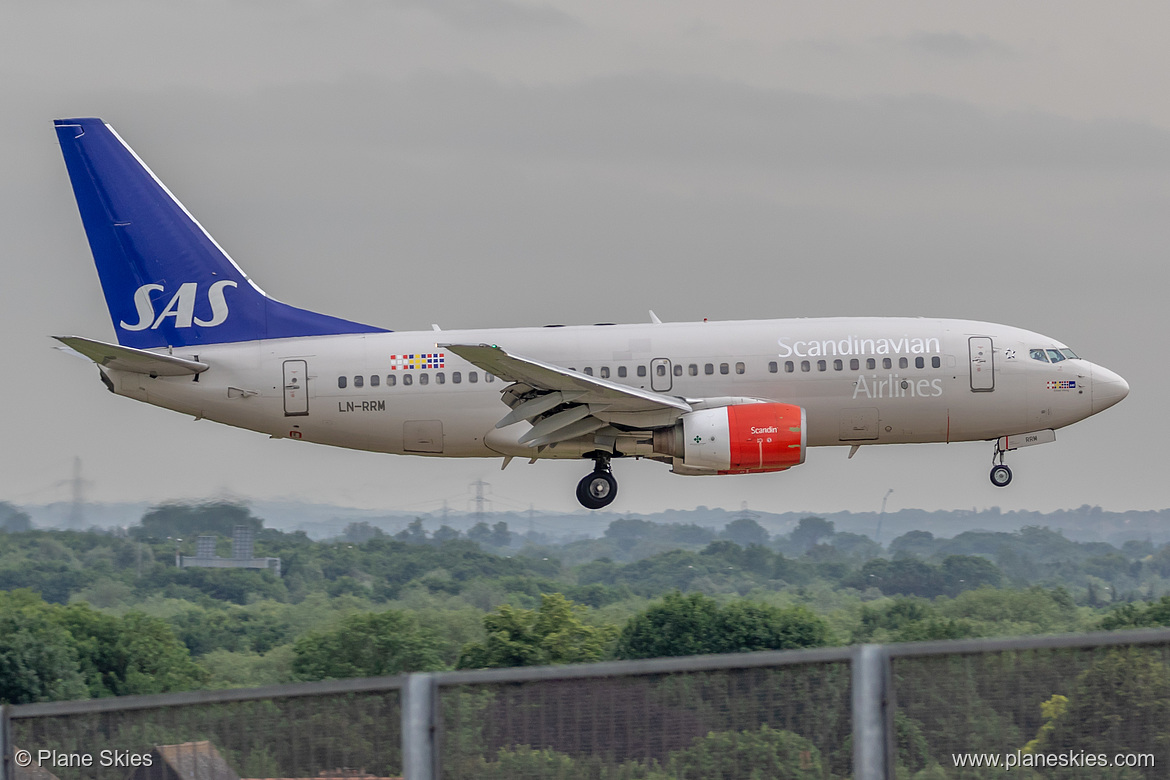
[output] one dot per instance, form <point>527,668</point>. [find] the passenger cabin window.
<point>920,362</point>
<point>678,369</point>
<point>838,365</point>
<point>588,370</point>
<point>822,365</point>
<point>375,380</point>
<point>660,370</point>
<point>805,366</point>
<point>424,378</point>
<point>408,379</point>
<point>870,363</point>
<point>773,367</point>
<point>708,368</point>
<point>440,378</point>
<point>358,381</point>
<point>341,382</point>
<point>854,365</point>
<point>693,369</point>
<point>605,372</point>
<point>936,362</point>
<point>489,378</point>
<point>789,366</point>
<point>456,377</point>
<point>641,370</point>
<point>472,377</point>
<point>391,380</point>
<point>887,363</point>
<point>622,372</point>
<point>724,368</point>
<point>740,368</point>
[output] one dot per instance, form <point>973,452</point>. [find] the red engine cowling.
<point>739,439</point>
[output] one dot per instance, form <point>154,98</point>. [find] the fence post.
<point>418,719</point>
<point>5,746</point>
<point>871,740</point>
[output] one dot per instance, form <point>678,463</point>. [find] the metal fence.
<point>1057,707</point>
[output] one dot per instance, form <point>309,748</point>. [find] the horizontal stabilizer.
<point>137,361</point>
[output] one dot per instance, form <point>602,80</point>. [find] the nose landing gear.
<point>599,489</point>
<point>1001,475</point>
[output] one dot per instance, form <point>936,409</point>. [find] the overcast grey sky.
<point>585,161</point>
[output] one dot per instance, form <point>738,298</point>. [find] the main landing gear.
<point>599,489</point>
<point>1001,475</point>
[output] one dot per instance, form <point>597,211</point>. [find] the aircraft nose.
<point>1108,388</point>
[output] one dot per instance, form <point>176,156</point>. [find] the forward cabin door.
<point>660,377</point>
<point>296,388</point>
<point>982,365</point>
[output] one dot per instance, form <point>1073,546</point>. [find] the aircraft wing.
<point>568,404</point>
<point>137,361</point>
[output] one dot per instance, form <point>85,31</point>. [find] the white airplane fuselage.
<point>197,335</point>
<point>858,379</point>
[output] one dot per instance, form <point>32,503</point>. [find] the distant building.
<point>32,772</point>
<point>187,761</point>
<point>335,774</point>
<point>243,539</point>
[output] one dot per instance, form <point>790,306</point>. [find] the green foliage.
<point>187,521</point>
<point>525,762</point>
<point>694,624</point>
<point>13,520</point>
<point>908,620</point>
<point>367,645</point>
<point>49,652</point>
<point>1122,700</point>
<point>908,576</point>
<point>1138,615</point>
<point>553,634</point>
<point>135,654</point>
<point>745,532</point>
<point>747,755</point>
<point>38,659</point>
<point>809,532</point>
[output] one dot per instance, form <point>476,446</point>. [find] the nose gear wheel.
<point>1001,475</point>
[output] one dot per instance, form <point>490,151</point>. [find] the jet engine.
<point>740,439</point>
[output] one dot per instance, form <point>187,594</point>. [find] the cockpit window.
<point>1055,356</point>
<point>1068,353</point>
<point>1038,354</point>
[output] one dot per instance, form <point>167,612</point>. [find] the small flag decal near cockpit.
<point>1063,384</point>
<point>423,360</point>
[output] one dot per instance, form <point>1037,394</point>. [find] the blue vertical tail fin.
<point>166,281</point>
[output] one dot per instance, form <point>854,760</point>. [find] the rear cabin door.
<point>982,365</point>
<point>296,388</point>
<point>660,378</point>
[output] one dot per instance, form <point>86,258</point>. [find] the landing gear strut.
<point>1001,475</point>
<point>599,489</point>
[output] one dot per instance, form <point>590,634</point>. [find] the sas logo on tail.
<point>181,307</point>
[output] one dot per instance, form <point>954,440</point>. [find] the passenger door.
<point>982,364</point>
<point>296,388</point>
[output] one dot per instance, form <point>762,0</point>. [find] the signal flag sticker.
<point>421,361</point>
<point>1063,384</point>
